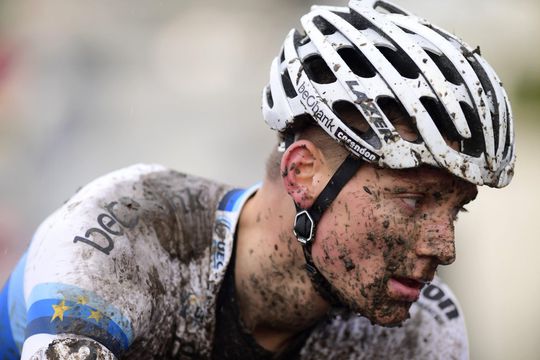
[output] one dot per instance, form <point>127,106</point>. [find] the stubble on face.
<point>278,289</point>
<point>363,270</point>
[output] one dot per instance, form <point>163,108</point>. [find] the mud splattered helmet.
<point>371,53</point>
<point>367,60</point>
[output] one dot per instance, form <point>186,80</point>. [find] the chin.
<point>379,310</point>
<point>391,315</point>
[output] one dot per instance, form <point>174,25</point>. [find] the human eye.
<point>410,203</point>
<point>406,199</point>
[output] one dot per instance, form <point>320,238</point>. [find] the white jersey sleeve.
<point>92,278</point>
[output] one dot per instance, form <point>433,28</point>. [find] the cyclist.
<point>386,126</point>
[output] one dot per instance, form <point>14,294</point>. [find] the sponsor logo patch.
<point>313,103</point>
<point>356,147</point>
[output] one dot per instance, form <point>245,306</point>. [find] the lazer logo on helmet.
<point>368,106</point>
<point>356,147</point>
<point>311,101</point>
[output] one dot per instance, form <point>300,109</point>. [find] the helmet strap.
<point>306,220</point>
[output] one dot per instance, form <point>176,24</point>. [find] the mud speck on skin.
<point>294,168</point>
<point>349,265</point>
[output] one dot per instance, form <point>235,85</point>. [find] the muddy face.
<point>385,235</point>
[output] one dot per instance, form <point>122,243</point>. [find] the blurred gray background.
<point>87,87</point>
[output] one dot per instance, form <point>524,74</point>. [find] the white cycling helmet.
<point>372,53</point>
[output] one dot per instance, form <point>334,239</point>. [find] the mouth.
<point>405,289</point>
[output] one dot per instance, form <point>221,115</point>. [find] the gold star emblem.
<point>59,310</point>
<point>82,300</point>
<point>96,315</point>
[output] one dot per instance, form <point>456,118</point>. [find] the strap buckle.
<point>304,227</point>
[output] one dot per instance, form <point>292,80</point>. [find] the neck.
<point>275,296</point>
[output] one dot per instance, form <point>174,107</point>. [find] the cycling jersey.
<point>132,265</point>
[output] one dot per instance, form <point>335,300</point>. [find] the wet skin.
<point>385,234</point>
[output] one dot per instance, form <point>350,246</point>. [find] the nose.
<point>437,240</point>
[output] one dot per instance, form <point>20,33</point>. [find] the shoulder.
<point>435,330</point>
<point>141,179</point>
<point>107,208</point>
<point>150,201</point>
<point>106,265</point>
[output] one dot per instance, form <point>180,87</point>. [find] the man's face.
<point>385,235</point>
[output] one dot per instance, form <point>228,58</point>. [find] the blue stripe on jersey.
<point>17,304</point>
<point>13,314</point>
<point>228,201</point>
<point>242,198</point>
<point>54,316</point>
<point>8,348</point>
<point>67,308</point>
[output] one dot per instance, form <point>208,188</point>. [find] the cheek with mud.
<point>361,258</point>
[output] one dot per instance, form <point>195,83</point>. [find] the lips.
<point>404,289</point>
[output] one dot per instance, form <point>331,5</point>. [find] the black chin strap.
<point>306,220</point>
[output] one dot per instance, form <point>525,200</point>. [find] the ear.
<point>304,171</point>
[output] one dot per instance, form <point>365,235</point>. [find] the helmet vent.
<point>324,26</point>
<point>407,30</point>
<point>355,121</point>
<point>288,86</point>
<point>401,62</point>
<point>318,71</point>
<point>269,97</point>
<point>475,145</point>
<point>446,67</point>
<point>440,118</point>
<point>398,116</point>
<point>357,62</point>
<point>495,130</point>
<point>385,8</point>
<point>507,143</point>
<point>486,86</point>
<point>282,56</point>
<point>356,20</point>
